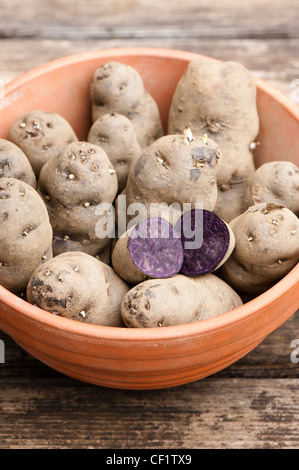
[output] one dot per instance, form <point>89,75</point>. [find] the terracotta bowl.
<point>144,358</point>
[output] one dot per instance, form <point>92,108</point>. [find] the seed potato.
<point>72,185</point>
<point>25,233</point>
<point>175,170</point>
<point>219,98</point>
<point>149,249</point>
<point>41,135</point>
<point>80,287</point>
<point>15,164</point>
<point>276,182</point>
<point>177,300</point>
<point>266,248</point>
<point>115,134</point>
<point>118,88</point>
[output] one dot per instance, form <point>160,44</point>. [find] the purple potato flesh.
<point>215,242</point>
<point>154,248</point>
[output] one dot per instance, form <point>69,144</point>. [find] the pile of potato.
<point>63,255</point>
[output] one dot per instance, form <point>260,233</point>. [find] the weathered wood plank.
<point>251,404</point>
<point>149,18</point>
<point>217,412</point>
<point>273,60</point>
<point>211,413</point>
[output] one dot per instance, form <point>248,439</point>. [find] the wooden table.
<point>255,402</point>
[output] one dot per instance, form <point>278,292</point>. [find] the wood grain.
<point>149,18</point>
<point>253,403</point>
<point>253,414</point>
<point>273,60</point>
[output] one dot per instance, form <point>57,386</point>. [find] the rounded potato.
<point>276,182</point>
<point>207,241</point>
<point>41,135</point>
<point>72,185</point>
<point>266,248</point>
<point>177,300</point>
<point>15,164</point>
<point>115,134</point>
<point>219,98</point>
<point>174,170</point>
<point>149,249</point>
<point>78,286</point>
<point>118,88</point>
<point>25,233</point>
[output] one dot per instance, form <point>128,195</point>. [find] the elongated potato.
<point>78,286</point>
<point>177,300</point>
<point>15,164</point>
<point>118,88</point>
<point>266,248</point>
<point>219,98</point>
<point>25,233</point>
<point>41,135</point>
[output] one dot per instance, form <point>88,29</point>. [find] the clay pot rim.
<point>226,320</point>
<point>16,83</point>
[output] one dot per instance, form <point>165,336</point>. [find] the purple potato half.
<point>155,249</point>
<point>215,236</point>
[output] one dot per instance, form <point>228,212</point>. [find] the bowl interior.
<point>153,357</point>
<point>63,86</point>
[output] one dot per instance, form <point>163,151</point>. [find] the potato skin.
<point>115,134</point>
<point>219,98</point>
<point>231,199</point>
<point>266,248</point>
<point>169,171</point>
<point>118,88</point>
<point>15,164</point>
<point>122,262</point>
<point>105,254</point>
<point>72,185</point>
<point>177,300</point>
<point>25,233</point>
<point>78,286</point>
<point>276,182</point>
<point>41,135</point>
